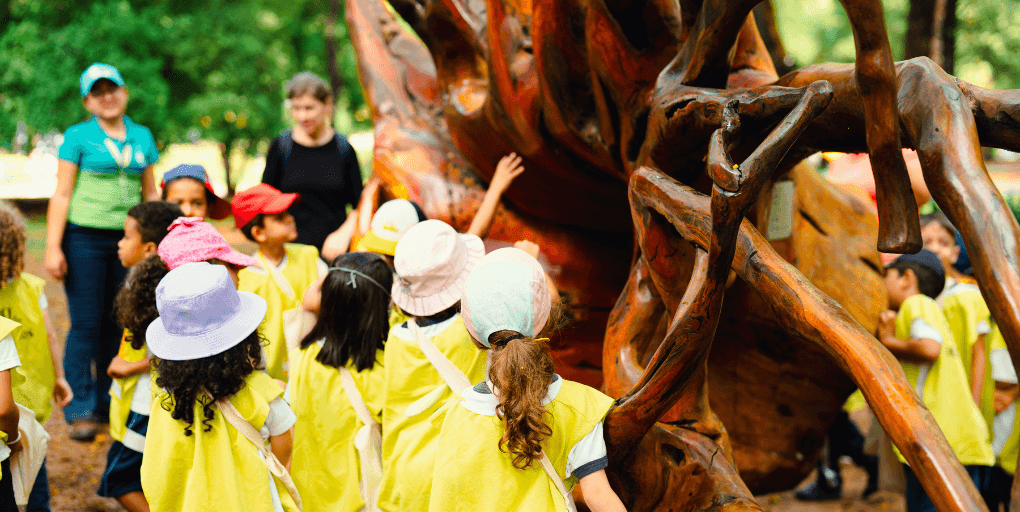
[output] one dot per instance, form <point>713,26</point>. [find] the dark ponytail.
<point>521,372</point>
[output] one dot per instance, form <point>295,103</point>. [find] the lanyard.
<point>120,157</point>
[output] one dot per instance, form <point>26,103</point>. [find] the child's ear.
<point>258,233</point>
<point>149,249</point>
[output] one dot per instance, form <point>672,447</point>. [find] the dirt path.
<point>75,468</point>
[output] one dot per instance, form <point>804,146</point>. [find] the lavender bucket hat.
<point>506,291</point>
<point>201,313</point>
<point>432,262</point>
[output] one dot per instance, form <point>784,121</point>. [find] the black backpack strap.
<point>286,145</point>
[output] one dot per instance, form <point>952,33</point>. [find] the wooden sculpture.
<point>649,130</point>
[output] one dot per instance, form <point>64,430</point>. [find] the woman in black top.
<point>315,161</point>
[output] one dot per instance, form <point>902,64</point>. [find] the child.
<point>214,404</point>
<point>1005,434</point>
<point>22,300</point>
<point>389,223</point>
<point>135,305</point>
<point>522,412</point>
<point>9,414</point>
<point>187,186</point>
<point>347,338</point>
<point>917,333</point>
<point>191,240</point>
<point>286,269</point>
<point>433,262</point>
<point>965,310</point>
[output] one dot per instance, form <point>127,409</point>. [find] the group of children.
<point>419,348</point>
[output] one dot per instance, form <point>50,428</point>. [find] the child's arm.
<point>598,495</point>
<point>9,414</point>
<point>281,446</point>
<point>121,368</point>
<point>62,393</point>
<point>921,350</point>
<point>312,298</point>
<point>509,167</point>
<point>339,241</point>
<point>977,368</point>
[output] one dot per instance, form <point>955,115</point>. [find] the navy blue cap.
<point>963,264</point>
<point>926,259</point>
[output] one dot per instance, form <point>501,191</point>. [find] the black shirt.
<point>327,180</point>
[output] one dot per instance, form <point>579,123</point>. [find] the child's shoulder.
<point>33,280</point>
<point>301,250</point>
<point>263,385</point>
<point>584,399</point>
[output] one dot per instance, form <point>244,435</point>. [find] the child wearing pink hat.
<point>432,263</point>
<point>191,240</point>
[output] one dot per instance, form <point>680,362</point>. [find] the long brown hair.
<point>12,242</point>
<point>521,372</point>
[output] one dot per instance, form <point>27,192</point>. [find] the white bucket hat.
<point>201,313</point>
<point>432,262</point>
<point>507,291</point>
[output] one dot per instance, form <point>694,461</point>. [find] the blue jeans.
<point>39,498</point>
<point>94,275</point>
<point>918,500</point>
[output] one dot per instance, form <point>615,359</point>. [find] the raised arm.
<point>508,168</point>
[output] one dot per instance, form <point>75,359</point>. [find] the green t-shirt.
<point>109,172</point>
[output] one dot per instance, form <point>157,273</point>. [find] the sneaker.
<point>83,431</point>
<point>818,492</point>
<point>872,469</point>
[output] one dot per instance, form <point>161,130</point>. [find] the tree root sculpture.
<point>730,343</point>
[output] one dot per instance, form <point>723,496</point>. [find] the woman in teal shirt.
<point>105,168</point>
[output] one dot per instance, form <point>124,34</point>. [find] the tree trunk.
<point>765,18</point>
<point>336,81</point>
<point>921,21</point>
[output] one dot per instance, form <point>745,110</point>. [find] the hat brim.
<point>374,243</point>
<point>237,258</point>
<point>280,203</point>
<point>448,296</point>
<point>172,347</point>
<point>220,209</point>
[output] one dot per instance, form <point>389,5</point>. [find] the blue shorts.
<point>123,465</point>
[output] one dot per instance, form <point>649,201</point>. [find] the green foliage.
<point>218,66</point>
<point>815,31</point>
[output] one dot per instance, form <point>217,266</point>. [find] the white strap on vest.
<point>248,430</point>
<point>454,378</point>
<point>547,466</point>
<point>281,281</point>
<point>368,442</point>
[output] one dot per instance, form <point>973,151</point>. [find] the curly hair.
<point>206,380</point>
<point>353,318</point>
<point>135,305</point>
<point>154,217</point>
<point>521,372</point>
<point>12,242</point>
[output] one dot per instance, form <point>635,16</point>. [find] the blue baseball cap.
<point>926,259</point>
<point>98,71</point>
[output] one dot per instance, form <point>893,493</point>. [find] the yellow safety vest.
<point>216,470</point>
<point>409,443</point>
<point>301,272</point>
<point>19,301</point>
<point>946,390</point>
<point>468,447</point>
<point>964,308</point>
<point>122,391</point>
<point>325,463</point>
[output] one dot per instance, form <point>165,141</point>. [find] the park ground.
<point>75,468</point>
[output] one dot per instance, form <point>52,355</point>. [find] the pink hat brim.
<point>448,296</point>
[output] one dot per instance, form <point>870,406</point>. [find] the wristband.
<point>15,440</point>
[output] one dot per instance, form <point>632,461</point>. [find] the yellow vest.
<point>122,391</point>
<point>301,272</point>
<point>397,317</point>
<point>1008,456</point>
<point>7,326</point>
<point>473,474</point>
<point>216,470</point>
<point>964,308</point>
<point>325,463</point>
<point>946,391</point>
<point>19,301</point>
<point>409,444</point>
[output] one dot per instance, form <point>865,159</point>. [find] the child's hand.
<point>887,324</point>
<point>529,247</point>
<point>62,393</point>
<point>118,369</point>
<point>508,168</point>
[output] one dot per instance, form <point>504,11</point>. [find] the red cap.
<point>261,198</point>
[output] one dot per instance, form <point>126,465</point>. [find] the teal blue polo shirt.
<point>109,180</point>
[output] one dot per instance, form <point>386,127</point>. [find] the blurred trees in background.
<point>213,70</point>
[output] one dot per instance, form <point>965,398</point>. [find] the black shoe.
<point>872,469</point>
<point>818,492</point>
<point>83,431</point>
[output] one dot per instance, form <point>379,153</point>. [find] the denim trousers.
<point>94,276</point>
<point>39,497</point>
